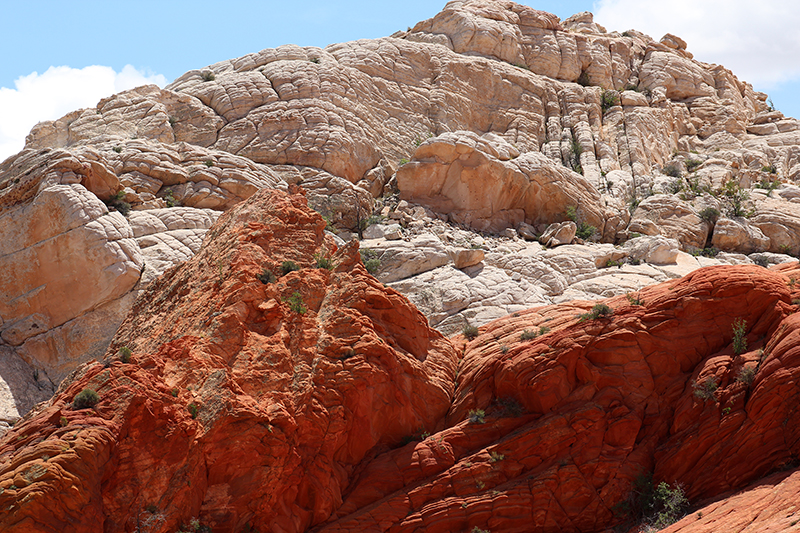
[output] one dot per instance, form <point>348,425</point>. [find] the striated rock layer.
<point>285,405</point>
<point>244,402</point>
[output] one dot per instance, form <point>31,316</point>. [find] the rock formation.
<point>499,163</point>
<point>250,395</point>
<point>490,115</point>
<point>240,388</point>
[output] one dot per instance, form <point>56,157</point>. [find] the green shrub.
<point>193,409</point>
<point>85,399</point>
<point>469,331</point>
<point>608,100</point>
<point>208,76</point>
<point>403,161</point>
<point>760,260</point>
<point>504,349</point>
<point>116,202</point>
<point>266,277</point>
<point>570,213</point>
<point>598,311</point>
<point>125,354</point>
<point>323,262</point>
<point>585,231</point>
<point>770,169</point>
<point>706,390</point>
<point>476,416</point>
<point>314,60</point>
<point>372,265</point>
<point>117,149</point>
<point>209,163</point>
<point>527,335</point>
<point>709,214</point>
<point>672,170</point>
<point>295,302</point>
<point>583,79</point>
<point>169,198</point>
<point>739,327</point>
<point>692,164</point>
<point>495,457</point>
<point>289,266</point>
<point>656,506</point>
<point>543,330</point>
<point>633,300</point>
<point>737,200</point>
<point>747,374</point>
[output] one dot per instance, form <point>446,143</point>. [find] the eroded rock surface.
<point>315,370</point>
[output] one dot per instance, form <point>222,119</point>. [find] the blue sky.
<point>160,40</point>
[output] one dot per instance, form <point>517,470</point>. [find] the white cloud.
<point>55,93</point>
<point>758,41</point>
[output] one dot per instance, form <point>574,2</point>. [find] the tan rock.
<point>466,258</point>
<point>559,233</point>
<point>462,175</point>
<point>669,216</point>
<point>738,235</point>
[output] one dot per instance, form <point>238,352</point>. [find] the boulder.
<point>559,233</point>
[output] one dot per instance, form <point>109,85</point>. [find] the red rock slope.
<point>575,415</point>
<point>240,410</point>
<point>235,407</point>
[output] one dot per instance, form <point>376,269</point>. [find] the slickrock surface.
<point>500,163</point>
<point>287,403</point>
<point>491,115</point>
<point>242,411</point>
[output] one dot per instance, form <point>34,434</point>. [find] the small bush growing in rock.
<point>193,409</point>
<point>608,100</point>
<point>598,311</point>
<point>323,262</point>
<point>495,457</point>
<point>527,334</point>
<point>85,399</point>
<point>289,266</point>
<point>706,390</point>
<point>371,259</point>
<point>125,354</point>
<point>208,76</point>
<point>266,277</point>
<point>709,214</point>
<point>295,302</point>
<point>585,231</point>
<point>746,375</point>
<point>692,164</point>
<point>658,506</point>
<point>543,330</point>
<point>672,170</point>
<point>469,331</point>
<point>476,416</point>
<point>760,260</point>
<point>739,327</point>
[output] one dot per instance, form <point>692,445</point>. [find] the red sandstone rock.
<point>243,412</point>
<point>235,408</point>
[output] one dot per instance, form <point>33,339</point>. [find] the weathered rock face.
<point>483,182</point>
<point>569,419</point>
<point>240,410</point>
<point>237,391</point>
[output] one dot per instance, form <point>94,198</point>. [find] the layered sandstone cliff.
<point>317,399</point>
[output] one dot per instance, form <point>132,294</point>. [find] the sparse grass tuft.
<point>739,335</point>
<point>747,374</point>
<point>125,354</point>
<point>598,311</point>
<point>289,266</point>
<point>470,332</point>
<point>476,416</point>
<point>706,390</point>
<point>85,399</point>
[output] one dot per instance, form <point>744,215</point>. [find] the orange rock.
<point>284,406</point>
<point>244,403</point>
